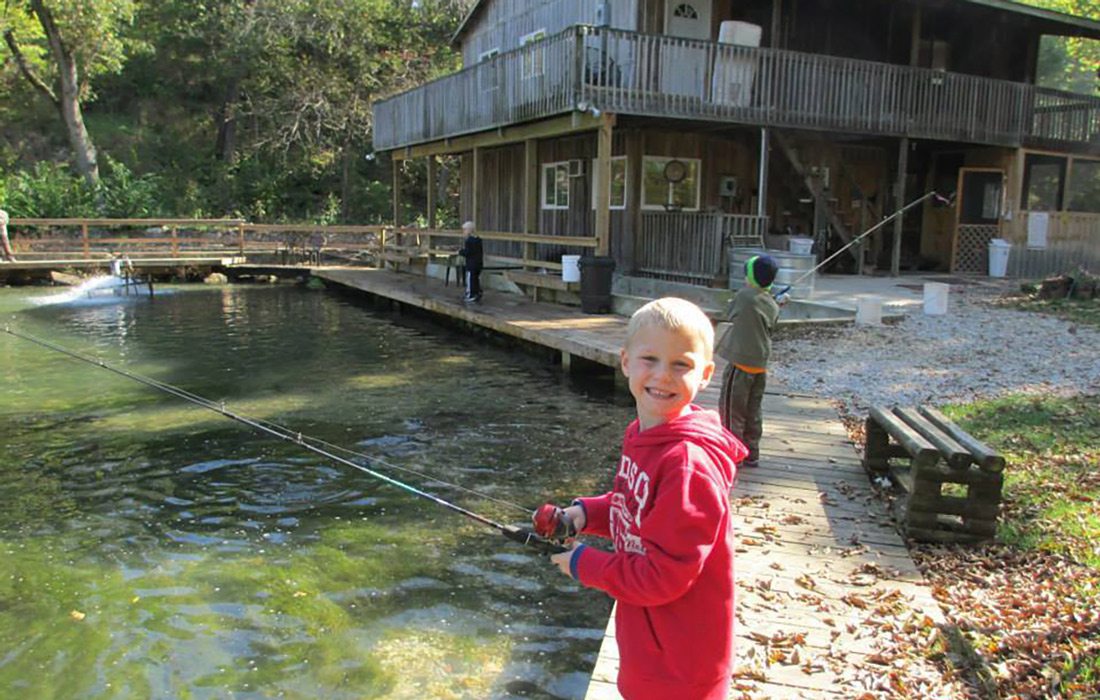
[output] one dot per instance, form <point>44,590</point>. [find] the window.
<point>555,185</point>
<point>488,76</point>
<point>658,192</point>
<point>1084,186</point>
<point>1044,182</point>
<point>618,182</point>
<point>534,59</point>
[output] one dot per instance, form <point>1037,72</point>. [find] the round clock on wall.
<point>675,171</point>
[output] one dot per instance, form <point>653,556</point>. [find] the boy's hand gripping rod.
<point>860,237</point>
<point>523,535</point>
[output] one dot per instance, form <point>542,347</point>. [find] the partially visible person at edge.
<point>5,244</point>
<point>747,346</point>
<point>668,515</point>
<point>475,259</point>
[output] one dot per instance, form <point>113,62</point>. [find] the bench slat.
<point>986,458</point>
<point>921,451</point>
<point>956,456</point>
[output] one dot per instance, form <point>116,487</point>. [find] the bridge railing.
<point>61,240</point>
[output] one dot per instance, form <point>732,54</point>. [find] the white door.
<point>683,68</point>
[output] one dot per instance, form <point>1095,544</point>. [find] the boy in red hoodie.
<point>668,515</point>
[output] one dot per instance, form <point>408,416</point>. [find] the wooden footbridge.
<point>826,587</point>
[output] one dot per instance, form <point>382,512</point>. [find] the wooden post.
<point>240,237</point>
<point>475,187</point>
<point>432,177</point>
<point>914,38</point>
<point>777,18</point>
<point>396,187</point>
<point>762,175</point>
<point>899,201</point>
<point>84,240</point>
<point>530,186</point>
<point>603,184</point>
<point>175,242</point>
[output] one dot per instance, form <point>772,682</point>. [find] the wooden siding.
<point>621,72</point>
<point>502,23</point>
<point>691,247</point>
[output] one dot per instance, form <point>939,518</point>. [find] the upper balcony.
<point>661,76</point>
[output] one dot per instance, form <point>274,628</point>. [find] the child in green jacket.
<point>746,347</point>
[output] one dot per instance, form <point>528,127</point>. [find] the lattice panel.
<point>972,247</point>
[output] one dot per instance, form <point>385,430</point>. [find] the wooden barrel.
<point>792,266</point>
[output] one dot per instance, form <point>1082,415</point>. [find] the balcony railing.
<point>654,75</point>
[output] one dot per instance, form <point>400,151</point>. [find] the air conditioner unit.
<point>576,167</point>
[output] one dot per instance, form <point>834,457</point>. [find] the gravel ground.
<point>977,351</point>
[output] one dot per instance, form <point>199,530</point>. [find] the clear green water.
<point>151,548</point>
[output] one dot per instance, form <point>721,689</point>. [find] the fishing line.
<point>522,535</point>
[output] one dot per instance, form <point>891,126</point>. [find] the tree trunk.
<point>226,147</point>
<point>68,97</point>
<point>5,244</point>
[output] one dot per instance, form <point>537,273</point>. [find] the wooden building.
<point>671,130</point>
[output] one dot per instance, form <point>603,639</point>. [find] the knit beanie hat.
<point>761,270</point>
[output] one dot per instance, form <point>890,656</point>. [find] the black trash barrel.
<point>596,283</point>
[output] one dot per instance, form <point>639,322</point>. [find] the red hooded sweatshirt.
<point>668,515</point>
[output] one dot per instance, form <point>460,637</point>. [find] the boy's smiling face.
<point>666,369</point>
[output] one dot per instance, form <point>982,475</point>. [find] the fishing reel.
<point>552,523</point>
<point>782,295</point>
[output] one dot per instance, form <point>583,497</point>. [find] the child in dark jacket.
<point>475,260</point>
<point>746,347</point>
<point>668,515</point>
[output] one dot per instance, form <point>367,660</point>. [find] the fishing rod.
<point>860,237</point>
<point>523,535</point>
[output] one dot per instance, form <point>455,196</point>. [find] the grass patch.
<point>1052,486</point>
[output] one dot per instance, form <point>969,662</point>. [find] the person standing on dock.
<point>746,347</point>
<point>474,255</point>
<point>5,244</point>
<point>668,515</point>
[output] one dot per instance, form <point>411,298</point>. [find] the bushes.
<point>53,191</point>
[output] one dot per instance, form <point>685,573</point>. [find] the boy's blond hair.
<point>674,314</point>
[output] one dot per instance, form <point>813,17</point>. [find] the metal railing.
<point>655,75</point>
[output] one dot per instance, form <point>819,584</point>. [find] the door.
<point>684,67</point>
<point>978,206</point>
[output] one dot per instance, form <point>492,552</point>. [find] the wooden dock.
<point>825,585</point>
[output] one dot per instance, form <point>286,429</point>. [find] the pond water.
<point>152,548</point>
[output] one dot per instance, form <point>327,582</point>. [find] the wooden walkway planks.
<point>819,561</point>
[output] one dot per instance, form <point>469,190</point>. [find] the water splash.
<point>109,288</point>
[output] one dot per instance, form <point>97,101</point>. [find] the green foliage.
<point>1069,63</point>
<point>52,190</point>
<point>49,190</point>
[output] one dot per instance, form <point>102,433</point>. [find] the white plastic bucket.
<point>801,246</point>
<point>998,257</point>
<point>570,268</point>
<point>935,298</point>
<point>869,312</point>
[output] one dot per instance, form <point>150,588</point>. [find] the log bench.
<point>951,481</point>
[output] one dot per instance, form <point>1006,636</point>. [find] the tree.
<point>1070,63</point>
<point>78,41</point>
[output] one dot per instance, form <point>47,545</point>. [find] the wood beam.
<point>396,190</point>
<point>475,186</point>
<point>899,201</point>
<point>603,184</point>
<point>777,19</point>
<point>547,128</point>
<point>914,39</point>
<point>530,186</point>
<point>433,175</point>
